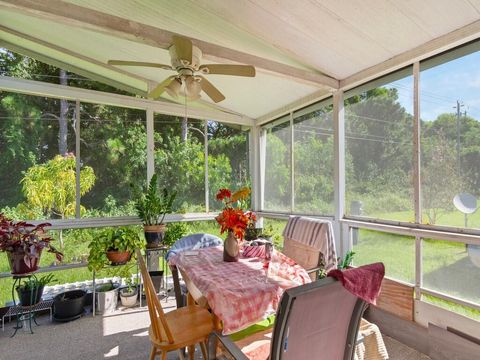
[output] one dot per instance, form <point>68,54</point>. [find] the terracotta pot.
<point>154,235</point>
<point>231,248</point>
<point>119,257</point>
<point>18,265</point>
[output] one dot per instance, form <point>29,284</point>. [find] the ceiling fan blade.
<point>139,63</point>
<point>155,93</point>
<point>212,92</point>
<point>183,48</point>
<point>225,69</point>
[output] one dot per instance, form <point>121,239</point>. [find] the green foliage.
<point>277,173</point>
<point>174,232</point>
<point>440,183</point>
<point>124,238</point>
<point>50,187</point>
<point>268,231</point>
<point>347,261</point>
<point>153,205</point>
<point>126,273</point>
<point>31,283</point>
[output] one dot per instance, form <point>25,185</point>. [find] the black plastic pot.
<point>30,297</point>
<point>69,304</point>
<point>157,279</point>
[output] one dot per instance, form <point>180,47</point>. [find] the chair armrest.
<point>227,343</point>
<point>315,269</point>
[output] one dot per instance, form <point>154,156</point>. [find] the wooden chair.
<point>309,242</point>
<point>177,329</point>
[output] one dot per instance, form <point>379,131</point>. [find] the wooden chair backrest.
<point>160,327</point>
<point>306,256</point>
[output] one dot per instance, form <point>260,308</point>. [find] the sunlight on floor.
<point>112,352</point>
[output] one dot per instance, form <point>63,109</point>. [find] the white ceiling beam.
<point>68,67</point>
<point>436,46</point>
<point>38,88</point>
<point>298,104</point>
<point>68,52</point>
<point>74,15</point>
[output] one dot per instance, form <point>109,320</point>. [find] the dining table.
<point>240,293</point>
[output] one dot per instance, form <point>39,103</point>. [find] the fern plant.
<point>153,205</point>
<point>342,265</point>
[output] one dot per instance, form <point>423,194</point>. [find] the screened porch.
<point>365,114</point>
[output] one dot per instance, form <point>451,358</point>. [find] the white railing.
<point>92,223</point>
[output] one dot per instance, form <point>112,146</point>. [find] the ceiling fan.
<point>186,61</point>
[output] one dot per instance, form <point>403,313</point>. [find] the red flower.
<point>232,218</point>
<point>223,194</point>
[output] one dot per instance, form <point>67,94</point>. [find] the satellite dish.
<point>465,203</point>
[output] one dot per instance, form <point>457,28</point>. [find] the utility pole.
<point>459,113</point>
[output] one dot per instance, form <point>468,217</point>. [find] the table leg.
<point>190,300</point>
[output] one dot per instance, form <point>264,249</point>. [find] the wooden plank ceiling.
<point>299,48</point>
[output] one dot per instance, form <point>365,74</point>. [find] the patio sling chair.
<point>310,243</point>
<point>189,242</point>
<point>176,329</point>
<point>318,320</point>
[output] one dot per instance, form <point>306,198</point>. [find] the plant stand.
<point>157,253</point>
<point>24,314</point>
<point>41,306</point>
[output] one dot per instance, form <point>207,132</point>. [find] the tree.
<point>50,188</point>
<point>277,171</point>
<point>440,182</point>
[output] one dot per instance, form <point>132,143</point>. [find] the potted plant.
<point>152,206</point>
<point>233,219</point>
<point>106,298</point>
<point>23,243</point>
<point>267,233</point>
<point>128,293</point>
<point>30,290</point>
<point>69,305</point>
<point>114,246</point>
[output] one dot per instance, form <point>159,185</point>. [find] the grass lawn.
<point>447,267</point>
<point>453,218</point>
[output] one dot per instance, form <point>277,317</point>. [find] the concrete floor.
<point>122,335</point>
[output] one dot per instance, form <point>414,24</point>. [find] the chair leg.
<point>203,346</point>
<point>180,354</point>
<point>164,355</point>
<point>191,352</point>
<point>153,352</point>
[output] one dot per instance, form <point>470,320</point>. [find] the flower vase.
<point>231,248</point>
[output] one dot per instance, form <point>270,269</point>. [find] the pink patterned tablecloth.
<point>239,293</point>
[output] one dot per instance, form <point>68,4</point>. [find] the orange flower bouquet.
<point>233,219</point>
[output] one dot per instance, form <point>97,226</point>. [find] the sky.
<point>441,87</point>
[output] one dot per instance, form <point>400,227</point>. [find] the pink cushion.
<point>256,346</point>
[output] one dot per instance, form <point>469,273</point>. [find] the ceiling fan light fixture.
<point>192,88</point>
<point>173,89</point>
